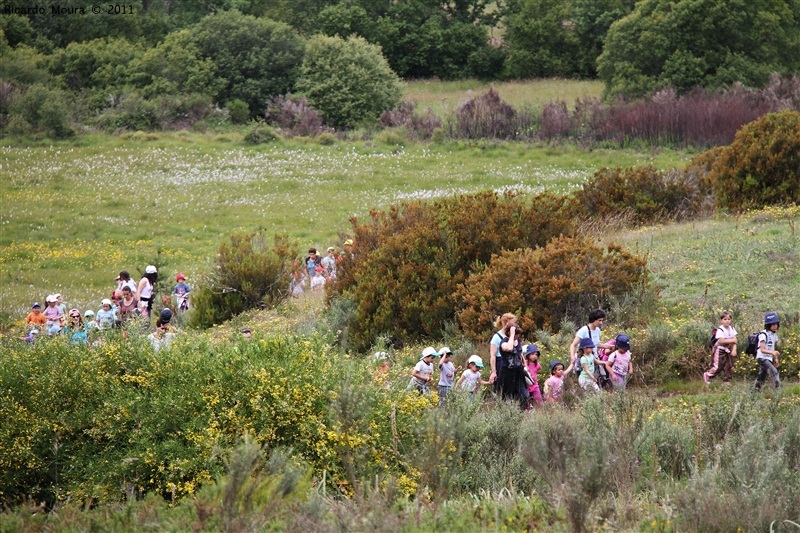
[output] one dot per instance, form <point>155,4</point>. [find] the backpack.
<point>713,340</point>
<point>752,342</point>
<point>513,358</point>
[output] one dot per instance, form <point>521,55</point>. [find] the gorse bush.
<point>641,195</point>
<point>544,285</point>
<point>259,132</point>
<point>248,274</point>
<point>420,252</point>
<point>762,165</point>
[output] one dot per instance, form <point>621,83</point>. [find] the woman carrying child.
<point>531,353</point>
<point>723,350</point>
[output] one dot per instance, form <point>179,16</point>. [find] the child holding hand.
<point>554,386</point>
<point>471,379</point>
<point>531,354</point>
<point>619,363</point>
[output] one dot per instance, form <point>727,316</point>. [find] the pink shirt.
<point>620,362</point>
<point>51,313</point>
<point>553,388</point>
<point>533,370</point>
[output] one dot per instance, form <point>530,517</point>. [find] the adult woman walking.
<point>146,285</point>
<point>505,357</point>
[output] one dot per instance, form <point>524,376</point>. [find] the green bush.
<point>96,64</point>
<point>260,132</point>
<point>248,274</point>
<point>349,82</point>
<point>44,109</point>
<point>238,111</point>
<point>421,252</point>
<point>762,165</point>
<point>712,43</point>
<point>257,58</point>
<point>641,195</point>
<point>544,285</point>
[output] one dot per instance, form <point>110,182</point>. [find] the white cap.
<point>50,298</point>
<point>380,356</point>
<point>150,269</point>
<point>429,351</point>
<point>89,312</point>
<point>445,350</point>
<point>105,301</point>
<point>475,359</point>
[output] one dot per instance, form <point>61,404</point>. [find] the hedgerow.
<point>421,252</point>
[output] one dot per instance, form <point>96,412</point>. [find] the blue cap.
<point>36,304</point>
<point>623,341</point>
<point>586,343</point>
<point>554,364</point>
<point>531,348</point>
<point>771,318</point>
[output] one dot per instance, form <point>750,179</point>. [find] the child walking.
<point>587,379</point>
<point>36,317</point>
<point>422,374</point>
<point>106,317</point>
<point>471,379</point>
<point>767,355</point>
<point>723,350</point>
<point>447,374</point>
<point>554,386</point>
<point>531,354</point>
<point>181,291</point>
<point>619,363</point>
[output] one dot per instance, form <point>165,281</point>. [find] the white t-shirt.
<point>470,382</point>
<point>723,333</point>
<point>770,339</point>
<point>447,374</point>
<point>424,369</point>
<point>317,282</point>
<point>594,334</point>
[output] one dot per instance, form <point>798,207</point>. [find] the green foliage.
<point>349,82</point>
<point>44,109</point>
<point>544,285</point>
<point>762,165</point>
<point>175,66</point>
<point>709,43</point>
<point>24,66</point>
<point>96,64</point>
<point>238,111</point>
<point>247,274</point>
<point>257,58</point>
<point>421,252</point>
<point>132,111</point>
<point>260,132</point>
<point>641,195</point>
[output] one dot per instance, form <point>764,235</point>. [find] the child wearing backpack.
<point>619,363</point>
<point>531,354</point>
<point>587,379</point>
<point>766,354</point>
<point>723,350</point>
<point>590,331</point>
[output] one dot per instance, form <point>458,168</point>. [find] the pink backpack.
<point>603,354</point>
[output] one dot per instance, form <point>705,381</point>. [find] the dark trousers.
<point>766,368</point>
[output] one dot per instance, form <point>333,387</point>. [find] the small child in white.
<point>422,374</point>
<point>447,374</point>
<point>619,363</point>
<point>106,317</point>
<point>470,379</point>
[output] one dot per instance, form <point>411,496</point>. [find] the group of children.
<point>471,378</point>
<point>318,270</point>
<point>127,301</point>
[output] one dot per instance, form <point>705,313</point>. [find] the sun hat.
<point>586,343</point>
<point>444,350</point>
<point>105,301</point>
<point>50,298</point>
<point>348,242</point>
<point>380,356</point>
<point>554,364</point>
<point>165,316</point>
<point>74,311</point>
<point>429,351</point>
<point>89,313</point>
<point>475,359</point>
<point>36,304</point>
<point>150,269</point>
<point>331,248</point>
<point>180,276</point>
<point>531,348</point>
<point>246,330</point>
<point>318,268</point>
<point>771,318</point>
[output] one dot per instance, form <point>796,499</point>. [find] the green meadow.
<point>74,213</point>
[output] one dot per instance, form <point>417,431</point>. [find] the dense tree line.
<point>172,61</point>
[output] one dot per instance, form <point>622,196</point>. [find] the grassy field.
<point>75,213</point>
<point>445,96</point>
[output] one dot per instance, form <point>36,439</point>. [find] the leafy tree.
<point>700,42</point>
<point>99,63</point>
<point>175,66</point>
<point>44,109</point>
<point>24,66</point>
<point>345,19</point>
<point>348,81</point>
<point>258,58</point>
<point>17,29</point>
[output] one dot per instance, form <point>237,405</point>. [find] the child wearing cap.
<point>422,374</point>
<point>89,321</point>
<point>52,313</point>
<point>587,379</point>
<point>447,374</point>
<point>554,386</point>
<point>531,354</point>
<point>470,379</point>
<point>329,261</point>
<point>318,281</point>
<point>106,317</point>
<point>766,354</point>
<point>36,317</point>
<point>182,290</point>
<point>619,363</point>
